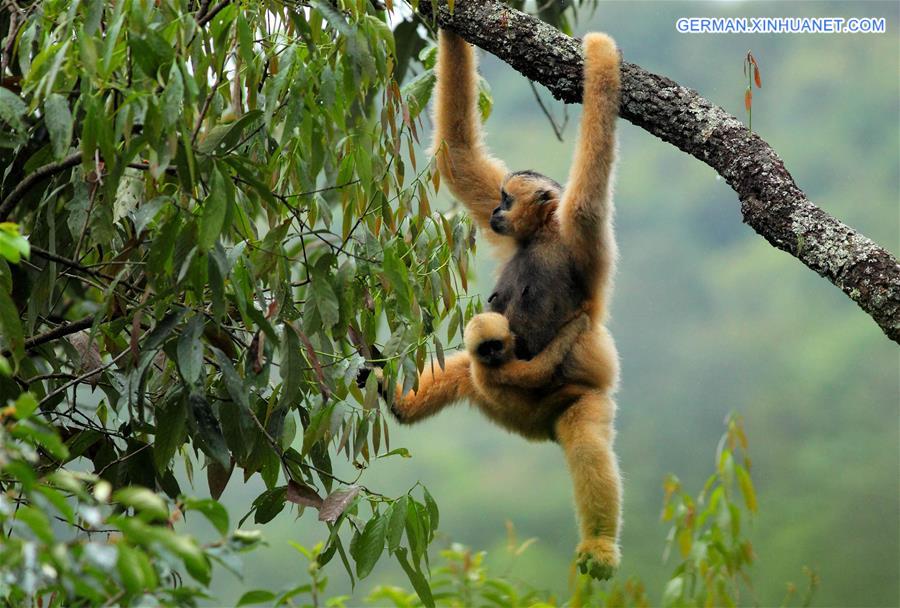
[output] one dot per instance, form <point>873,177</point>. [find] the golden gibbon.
<point>541,363</point>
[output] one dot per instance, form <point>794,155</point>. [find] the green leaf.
<point>326,301</point>
<point>257,596</point>
<point>485,98</point>
<point>673,590</point>
<point>238,427</point>
<point>143,215</point>
<point>37,521</point>
<point>433,513</point>
<point>416,578</point>
<point>129,567</point>
<point>212,217</point>
<point>151,52</point>
<point>172,98</point>
<point>170,421</point>
<point>59,501</point>
<point>11,326</point>
<point>397,523</point>
<point>291,367</point>
<point>212,510</point>
<point>12,109</point>
<point>25,406</point>
<point>143,501</point>
<point>194,560</point>
<point>58,119</point>
<point>43,437</point>
<point>418,91</point>
<point>370,545</point>
<point>747,488</point>
<point>208,432</point>
<point>222,138</point>
<point>190,350</point>
<point>269,504</point>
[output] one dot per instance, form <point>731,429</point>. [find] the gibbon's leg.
<point>586,207</point>
<point>438,388</point>
<point>585,432</point>
<point>474,177</point>
<point>539,371</point>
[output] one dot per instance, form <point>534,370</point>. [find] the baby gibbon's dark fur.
<point>541,363</point>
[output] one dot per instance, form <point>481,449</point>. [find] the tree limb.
<point>59,332</point>
<point>771,203</point>
<point>9,203</point>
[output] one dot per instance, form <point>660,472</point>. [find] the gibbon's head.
<point>528,201</point>
<point>488,338</point>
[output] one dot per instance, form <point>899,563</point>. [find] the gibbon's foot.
<point>488,338</point>
<point>363,375</point>
<point>598,558</point>
<point>490,352</point>
<point>398,415</point>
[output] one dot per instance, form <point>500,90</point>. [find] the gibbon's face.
<point>527,202</point>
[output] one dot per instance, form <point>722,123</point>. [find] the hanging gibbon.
<point>541,363</point>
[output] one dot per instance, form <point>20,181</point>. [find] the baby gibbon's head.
<point>488,338</point>
<point>528,202</point>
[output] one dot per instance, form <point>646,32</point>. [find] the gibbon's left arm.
<point>438,388</point>
<point>585,211</point>
<point>539,371</point>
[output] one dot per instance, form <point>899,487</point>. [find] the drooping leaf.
<point>336,503</point>
<point>207,432</point>
<point>215,208</point>
<point>370,545</point>
<point>212,510</point>
<point>190,350</point>
<point>419,583</point>
<point>303,495</point>
<point>58,119</point>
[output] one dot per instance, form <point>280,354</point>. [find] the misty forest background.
<point>708,318</point>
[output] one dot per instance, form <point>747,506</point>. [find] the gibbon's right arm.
<point>474,177</point>
<point>585,211</point>
<point>539,371</point>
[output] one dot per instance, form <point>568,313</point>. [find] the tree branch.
<point>771,203</point>
<point>59,332</point>
<point>9,203</point>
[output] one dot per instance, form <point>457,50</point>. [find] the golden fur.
<point>564,392</point>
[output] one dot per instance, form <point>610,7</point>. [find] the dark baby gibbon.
<point>541,363</point>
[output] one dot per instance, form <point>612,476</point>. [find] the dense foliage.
<point>223,214</point>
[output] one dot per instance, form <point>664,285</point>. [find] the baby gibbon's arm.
<point>586,207</point>
<point>539,371</point>
<point>474,177</point>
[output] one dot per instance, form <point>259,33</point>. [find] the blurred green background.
<point>708,318</point>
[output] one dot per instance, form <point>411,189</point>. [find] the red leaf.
<point>304,495</point>
<point>337,503</point>
<point>748,99</point>
<point>217,478</point>
<point>756,77</point>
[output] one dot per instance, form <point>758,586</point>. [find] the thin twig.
<point>210,15</point>
<point>124,458</point>
<point>557,130</point>
<point>59,332</point>
<point>84,376</point>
